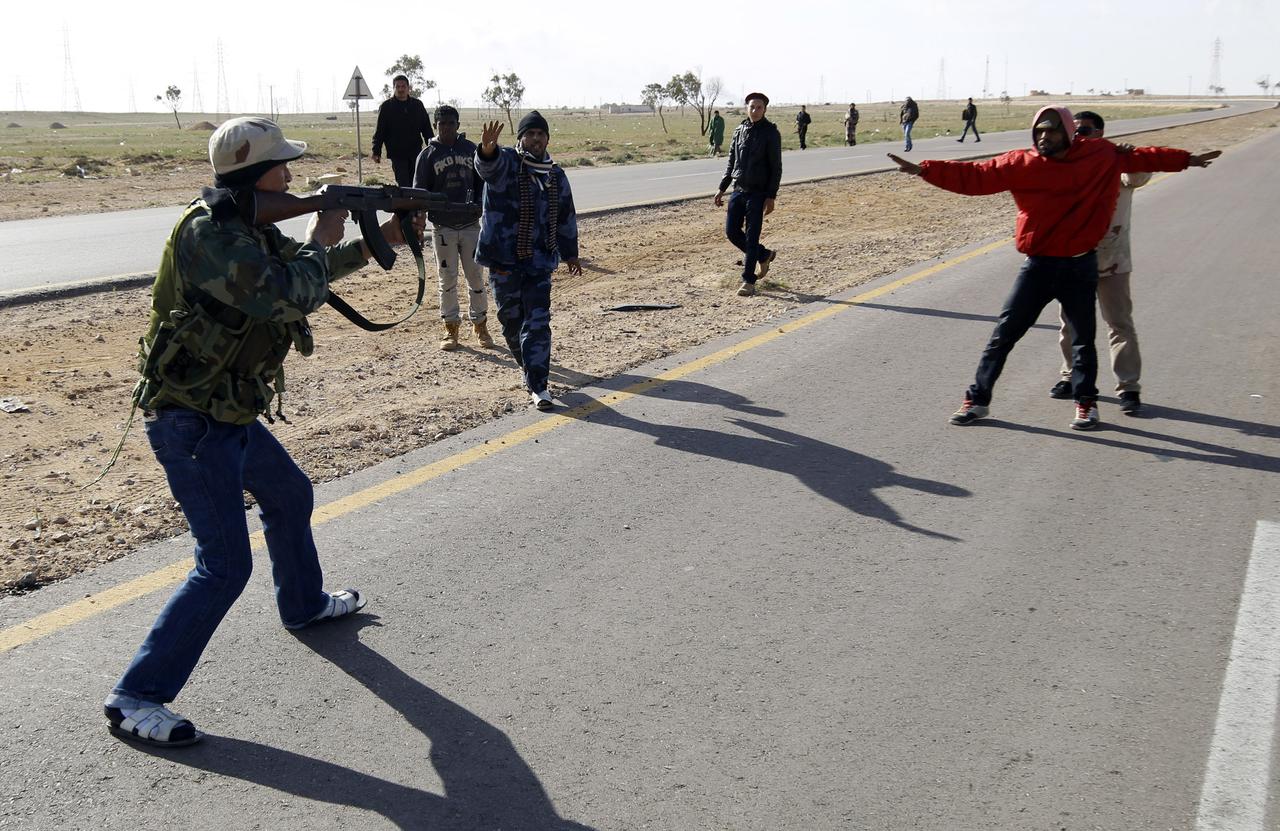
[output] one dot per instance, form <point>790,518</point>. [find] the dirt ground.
<point>365,397</point>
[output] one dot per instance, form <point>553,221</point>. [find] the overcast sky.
<point>584,52</point>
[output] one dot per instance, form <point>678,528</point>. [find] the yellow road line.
<point>104,601</point>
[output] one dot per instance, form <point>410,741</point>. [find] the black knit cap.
<point>533,120</point>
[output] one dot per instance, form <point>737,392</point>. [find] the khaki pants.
<point>1117,312</point>
<point>453,246</point>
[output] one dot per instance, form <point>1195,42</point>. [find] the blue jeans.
<point>209,465</point>
<point>523,298</point>
<point>1073,282</point>
<point>906,132</point>
<point>742,224</point>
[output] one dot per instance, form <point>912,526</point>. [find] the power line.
<point>1215,68</point>
<point>197,100</point>
<point>986,79</point>
<point>942,79</point>
<point>19,103</point>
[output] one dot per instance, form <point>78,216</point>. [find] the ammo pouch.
<point>214,358</point>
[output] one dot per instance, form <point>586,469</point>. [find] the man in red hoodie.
<point>1065,191</point>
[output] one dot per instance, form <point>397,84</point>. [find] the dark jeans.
<point>746,209</point>
<point>523,298</point>
<point>210,464</point>
<point>802,131</point>
<point>1073,282</point>
<point>404,168</point>
<point>970,125</point>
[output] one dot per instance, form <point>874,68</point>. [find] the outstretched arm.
<point>905,166</point>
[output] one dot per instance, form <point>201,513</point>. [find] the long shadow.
<point>845,478</point>
<point>921,310</point>
<point>1248,428</point>
<point>487,785</point>
<point>690,392</point>
<point>1197,451</point>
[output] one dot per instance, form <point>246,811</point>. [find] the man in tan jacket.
<point>1114,301</point>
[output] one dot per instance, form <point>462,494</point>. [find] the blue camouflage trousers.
<point>523,298</point>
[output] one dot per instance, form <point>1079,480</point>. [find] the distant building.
<point>615,109</point>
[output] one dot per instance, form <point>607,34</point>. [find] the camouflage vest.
<point>205,355</point>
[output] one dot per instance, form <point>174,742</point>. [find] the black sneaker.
<point>969,412</point>
<point>1061,390</point>
<point>1130,402</point>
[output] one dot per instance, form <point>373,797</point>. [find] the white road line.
<point>681,176</point>
<point>1234,796</point>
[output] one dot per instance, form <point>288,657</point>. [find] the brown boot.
<point>450,341</point>
<point>482,333</point>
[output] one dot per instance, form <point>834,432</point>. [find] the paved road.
<point>45,252</point>
<point>761,585</point>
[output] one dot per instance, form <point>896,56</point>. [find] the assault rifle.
<point>363,204</point>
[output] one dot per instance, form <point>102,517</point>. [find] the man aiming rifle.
<point>231,298</point>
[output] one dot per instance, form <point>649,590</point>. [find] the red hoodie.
<point>1064,204</point>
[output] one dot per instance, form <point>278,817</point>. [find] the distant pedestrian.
<point>803,120</point>
<point>403,126</point>
<point>970,116</point>
<point>529,226</point>
<point>448,165</point>
<point>1065,191</point>
<point>907,118</point>
<point>755,171</point>
<point>1114,300</point>
<point>851,125</point>
<point>715,135</point>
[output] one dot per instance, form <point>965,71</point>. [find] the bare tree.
<point>410,66</point>
<point>506,94</point>
<point>656,96</point>
<point>712,89</point>
<point>172,98</point>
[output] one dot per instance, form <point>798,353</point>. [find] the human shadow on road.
<point>689,391</point>
<point>487,784</point>
<point>846,478</point>
<point>1248,428</point>
<point>1195,450</point>
<point>921,310</point>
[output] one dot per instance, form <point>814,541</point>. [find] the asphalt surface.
<point>767,586</point>
<point>41,253</point>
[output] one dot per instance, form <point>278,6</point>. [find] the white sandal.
<point>152,724</point>
<point>341,603</point>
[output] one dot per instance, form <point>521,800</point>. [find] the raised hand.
<point>489,137</point>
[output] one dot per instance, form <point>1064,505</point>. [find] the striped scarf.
<point>534,171</point>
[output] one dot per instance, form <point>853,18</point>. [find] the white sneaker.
<point>542,400</point>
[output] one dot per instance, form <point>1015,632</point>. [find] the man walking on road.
<point>755,170</point>
<point>803,120</point>
<point>402,126</point>
<point>529,225</point>
<point>230,299</point>
<point>1065,191</point>
<point>970,116</point>
<point>1114,301</point>
<point>448,165</point>
<point>907,118</point>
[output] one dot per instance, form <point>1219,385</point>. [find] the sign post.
<point>357,89</point>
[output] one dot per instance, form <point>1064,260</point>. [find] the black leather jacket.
<point>755,159</point>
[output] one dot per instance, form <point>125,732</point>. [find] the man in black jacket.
<point>970,116</point>
<point>755,171</point>
<point>803,120</point>
<point>403,126</point>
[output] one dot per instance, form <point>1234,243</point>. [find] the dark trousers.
<point>523,297</point>
<point>1073,282</point>
<point>404,167</point>
<point>970,125</point>
<point>742,225</point>
<point>803,131</point>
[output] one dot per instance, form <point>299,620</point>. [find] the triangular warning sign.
<point>356,87</point>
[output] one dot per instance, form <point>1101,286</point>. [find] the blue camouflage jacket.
<point>497,245</point>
